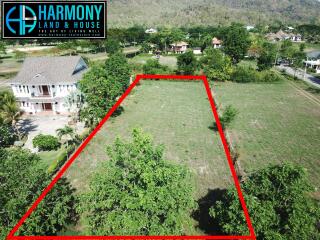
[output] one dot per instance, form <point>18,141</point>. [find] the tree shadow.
<point>205,223</point>
<point>118,111</point>
<point>313,90</point>
<point>26,126</point>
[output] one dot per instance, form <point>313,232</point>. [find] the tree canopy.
<point>236,42</point>
<point>279,203</point>
<point>187,63</point>
<point>136,192</point>
<point>22,179</point>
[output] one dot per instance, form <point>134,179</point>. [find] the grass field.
<point>276,123</point>
<point>176,114</point>
<point>170,61</point>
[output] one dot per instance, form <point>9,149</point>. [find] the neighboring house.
<point>43,83</point>
<point>179,47</point>
<point>151,30</point>
<point>315,64</point>
<point>249,28</point>
<point>216,43</point>
<point>197,51</point>
<point>281,36</point>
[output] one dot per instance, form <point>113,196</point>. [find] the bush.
<point>228,116</point>
<point>244,75</point>
<point>153,66</point>
<point>46,142</point>
<point>269,77</point>
<point>7,136</point>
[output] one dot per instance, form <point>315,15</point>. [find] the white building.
<point>216,43</point>
<point>315,64</point>
<point>197,51</point>
<point>151,31</point>
<point>179,47</point>
<point>43,83</point>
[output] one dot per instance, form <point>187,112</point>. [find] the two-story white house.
<point>43,83</point>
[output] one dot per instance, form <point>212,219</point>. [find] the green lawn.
<point>276,123</point>
<point>170,61</point>
<point>178,115</point>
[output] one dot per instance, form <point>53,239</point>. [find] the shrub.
<point>226,118</point>
<point>244,74</point>
<point>46,142</point>
<point>153,66</point>
<point>269,77</point>
<point>7,136</point>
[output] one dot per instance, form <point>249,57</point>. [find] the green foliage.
<point>216,65</point>
<point>22,181</point>
<point>267,57</point>
<point>7,135</point>
<point>136,192</point>
<point>102,85</point>
<point>228,116</point>
<point>58,162</point>
<point>153,66</point>
<point>236,42</point>
<point>112,46</point>
<point>46,142</point>
<point>243,74</point>
<point>187,63</point>
<point>279,204</point>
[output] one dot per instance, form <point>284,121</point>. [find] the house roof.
<point>49,70</point>
<point>216,41</point>
<point>179,44</point>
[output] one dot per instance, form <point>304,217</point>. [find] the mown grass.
<point>276,123</point>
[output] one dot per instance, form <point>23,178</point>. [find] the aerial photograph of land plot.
<point>157,119</point>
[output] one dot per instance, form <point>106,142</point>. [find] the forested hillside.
<point>214,12</point>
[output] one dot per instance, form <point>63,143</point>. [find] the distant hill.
<point>124,13</point>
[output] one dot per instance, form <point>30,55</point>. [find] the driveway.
<point>302,75</point>
<point>34,125</point>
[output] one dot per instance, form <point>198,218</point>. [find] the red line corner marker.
<point>204,79</point>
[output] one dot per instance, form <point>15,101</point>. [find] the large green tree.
<point>236,42</point>
<point>136,192</point>
<point>102,85</point>
<point>267,56</point>
<point>22,179</point>
<point>279,202</point>
<point>187,63</point>
<point>216,65</point>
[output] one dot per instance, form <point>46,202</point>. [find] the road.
<point>301,75</point>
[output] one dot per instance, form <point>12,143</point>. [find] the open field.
<point>176,114</point>
<point>276,123</point>
<point>170,61</point>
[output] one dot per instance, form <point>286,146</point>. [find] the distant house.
<point>281,36</point>
<point>179,47</point>
<point>249,27</point>
<point>43,83</point>
<point>197,51</point>
<point>216,43</point>
<point>315,64</point>
<point>151,30</point>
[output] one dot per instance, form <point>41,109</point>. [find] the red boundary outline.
<point>94,132</point>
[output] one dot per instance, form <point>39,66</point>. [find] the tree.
<point>9,111</point>
<point>7,135</point>
<point>187,63</point>
<point>68,136</point>
<point>23,179</point>
<point>216,65</point>
<point>236,42</point>
<point>267,57</point>
<point>136,192</point>
<point>279,202</point>
<point>153,66</point>
<point>102,85</point>
<point>112,46</point>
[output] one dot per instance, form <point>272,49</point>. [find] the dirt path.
<point>305,93</point>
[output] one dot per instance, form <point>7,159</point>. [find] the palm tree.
<point>68,135</point>
<point>9,111</point>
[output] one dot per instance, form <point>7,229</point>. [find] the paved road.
<point>302,75</point>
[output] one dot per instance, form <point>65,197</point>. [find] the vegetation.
<point>102,85</point>
<point>24,180</point>
<point>279,205</point>
<point>136,192</point>
<point>187,63</point>
<point>7,136</point>
<point>216,65</point>
<point>46,142</point>
<point>153,66</point>
<point>267,57</point>
<point>244,74</point>
<point>228,116</point>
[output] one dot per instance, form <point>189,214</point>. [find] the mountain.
<point>123,13</point>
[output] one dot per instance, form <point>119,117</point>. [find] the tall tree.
<point>187,63</point>
<point>216,65</point>
<point>136,192</point>
<point>279,203</point>
<point>267,56</point>
<point>236,42</point>
<point>22,179</point>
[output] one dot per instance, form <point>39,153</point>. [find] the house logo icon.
<point>21,20</point>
